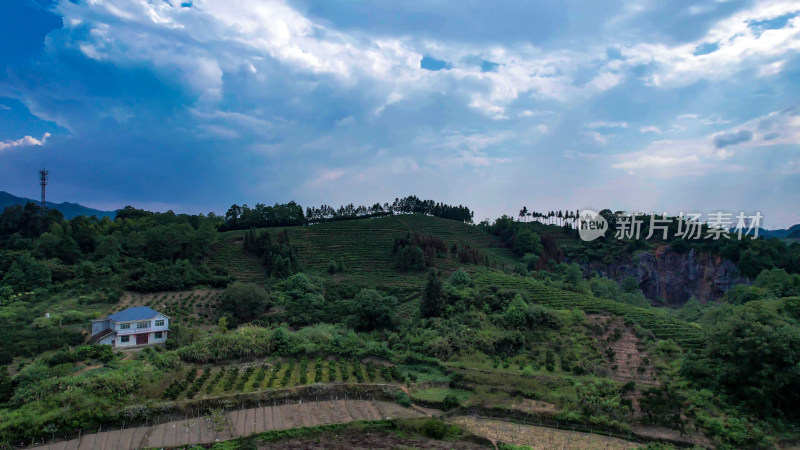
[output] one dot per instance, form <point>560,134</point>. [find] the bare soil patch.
<point>627,358</point>
<point>539,437</point>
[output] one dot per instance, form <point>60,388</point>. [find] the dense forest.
<point>488,317</point>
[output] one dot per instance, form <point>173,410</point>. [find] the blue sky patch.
<point>433,64</point>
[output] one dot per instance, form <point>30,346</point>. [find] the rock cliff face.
<point>672,278</point>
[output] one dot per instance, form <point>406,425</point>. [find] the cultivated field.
<point>539,437</point>
<point>364,245</point>
<point>224,426</point>
<point>213,381</point>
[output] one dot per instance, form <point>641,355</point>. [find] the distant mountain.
<point>69,210</point>
<point>791,232</point>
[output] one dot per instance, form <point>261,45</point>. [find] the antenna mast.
<point>43,181</point>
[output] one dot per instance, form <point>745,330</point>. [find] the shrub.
<point>318,370</point>
<point>402,399</point>
<point>450,401</point>
<point>303,371</point>
<point>435,428</point>
<point>460,279</point>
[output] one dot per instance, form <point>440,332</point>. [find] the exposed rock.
<point>672,278</point>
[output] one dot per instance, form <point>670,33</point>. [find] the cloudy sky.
<point>636,105</point>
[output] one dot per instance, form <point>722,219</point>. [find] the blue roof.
<point>135,313</point>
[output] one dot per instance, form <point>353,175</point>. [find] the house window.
<point>157,335</point>
<point>124,326</point>
<point>142,324</point>
<point>124,338</point>
<point>160,322</point>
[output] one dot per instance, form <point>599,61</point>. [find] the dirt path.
<point>539,437</point>
<point>238,423</point>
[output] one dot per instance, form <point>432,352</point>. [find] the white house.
<point>132,327</point>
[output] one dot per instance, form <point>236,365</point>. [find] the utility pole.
<point>43,181</point>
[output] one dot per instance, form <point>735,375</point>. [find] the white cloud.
<point>739,46</point>
<point>326,176</point>
<point>605,81</point>
<point>604,124</point>
<point>533,113</point>
<point>460,148</point>
<point>463,140</point>
<point>24,141</point>
<point>393,98</point>
<point>770,69</point>
<point>671,158</point>
<point>698,156</point>
<point>213,37</point>
<point>599,138</point>
<point>474,159</point>
<point>650,129</point>
<point>231,125</point>
<point>345,121</point>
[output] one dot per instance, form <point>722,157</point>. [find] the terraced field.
<point>228,253</point>
<point>365,246</point>
<point>540,437</point>
<point>662,325</point>
<point>225,426</point>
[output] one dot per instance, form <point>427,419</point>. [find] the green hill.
<point>365,246</point>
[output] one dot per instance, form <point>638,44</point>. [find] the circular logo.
<point>591,225</point>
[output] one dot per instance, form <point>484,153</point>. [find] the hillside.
<point>670,272</point>
<point>69,210</point>
<point>365,246</point>
<point>351,323</point>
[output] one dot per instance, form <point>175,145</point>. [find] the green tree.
<point>305,303</point>
<point>752,352</point>
<point>432,304</point>
<point>27,274</point>
<point>526,241</point>
<point>779,282</point>
<point>371,310</point>
<point>244,302</point>
<point>514,313</point>
<point>460,279</point>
